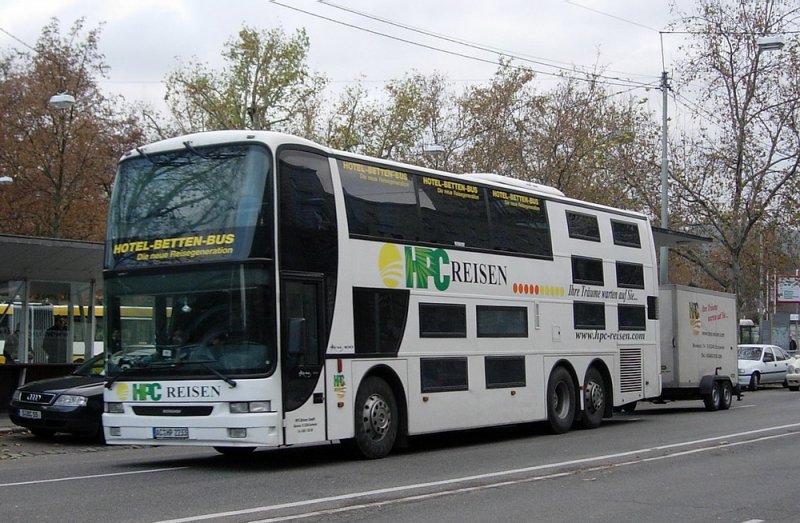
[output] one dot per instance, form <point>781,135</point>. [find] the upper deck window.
<point>380,202</point>
<point>583,226</point>
<point>625,233</point>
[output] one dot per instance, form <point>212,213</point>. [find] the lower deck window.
<point>589,315</point>
<point>504,371</point>
<point>443,374</point>
<point>631,317</point>
<point>442,320</point>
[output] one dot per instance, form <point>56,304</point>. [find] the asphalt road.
<point>673,462</point>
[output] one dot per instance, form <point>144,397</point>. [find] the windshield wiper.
<point>212,370</point>
<point>110,380</point>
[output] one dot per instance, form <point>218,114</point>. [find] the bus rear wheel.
<point>376,419</point>
<point>560,401</point>
<point>594,400</point>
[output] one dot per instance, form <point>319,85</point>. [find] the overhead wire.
<point>480,47</point>
<point>592,78</point>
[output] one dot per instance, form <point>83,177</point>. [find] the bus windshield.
<point>205,321</point>
<point>189,205</point>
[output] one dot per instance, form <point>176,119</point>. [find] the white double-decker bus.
<point>301,294</point>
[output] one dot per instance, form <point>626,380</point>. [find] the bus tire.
<point>560,401</point>
<point>594,399</point>
<point>726,395</point>
<point>376,419</point>
<point>713,399</point>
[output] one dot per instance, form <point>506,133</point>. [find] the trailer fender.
<point>707,383</point>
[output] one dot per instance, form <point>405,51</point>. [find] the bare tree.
<point>739,172</point>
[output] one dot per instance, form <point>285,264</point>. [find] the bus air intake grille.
<point>172,411</point>
<point>630,370</point>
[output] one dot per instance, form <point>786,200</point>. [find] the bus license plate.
<point>170,433</point>
<point>30,414</point>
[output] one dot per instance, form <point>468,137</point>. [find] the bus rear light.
<point>237,433</point>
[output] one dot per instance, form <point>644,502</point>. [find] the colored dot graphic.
<point>533,289</point>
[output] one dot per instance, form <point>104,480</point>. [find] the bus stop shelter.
<point>33,267</point>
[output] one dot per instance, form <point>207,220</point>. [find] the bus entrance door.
<point>302,358</point>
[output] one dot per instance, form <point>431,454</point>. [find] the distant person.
<point>55,341</point>
<point>792,345</point>
<point>11,348</point>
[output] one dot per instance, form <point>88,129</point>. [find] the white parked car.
<point>760,364</point>
<point>793,374</point>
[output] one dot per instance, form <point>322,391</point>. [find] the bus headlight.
<point>114,408</point>
<point>241,407</point>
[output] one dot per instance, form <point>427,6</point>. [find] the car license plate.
<point>30,414</point>
<point>170,433</point>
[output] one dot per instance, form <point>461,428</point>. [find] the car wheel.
<point>755,381</point>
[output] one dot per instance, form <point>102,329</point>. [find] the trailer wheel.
<point>726,395</point>
<point>560,401</point>
<point>755,381</point>
<point>376,419</point>
<point>713,399</point>
<point>594,400</point>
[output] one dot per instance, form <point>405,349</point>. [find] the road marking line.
<point>497,474</point>
<point>91,476</point>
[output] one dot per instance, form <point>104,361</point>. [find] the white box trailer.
<point>699,347</point>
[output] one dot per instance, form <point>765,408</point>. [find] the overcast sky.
<point>144,40</point>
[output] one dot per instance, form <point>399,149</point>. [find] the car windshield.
<point>750,353</point>
<point>94,366</point>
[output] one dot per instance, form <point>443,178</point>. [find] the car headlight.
<point>792,370</point>
<point>68,400</point>
<point>742,371</point>
<point>16,396</point>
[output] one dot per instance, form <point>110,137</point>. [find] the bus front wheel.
<point>560,401</point>
<point>376,419</point>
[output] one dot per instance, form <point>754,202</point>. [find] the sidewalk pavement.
<point>6,425</point>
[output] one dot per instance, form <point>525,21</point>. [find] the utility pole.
<point>663,274</point>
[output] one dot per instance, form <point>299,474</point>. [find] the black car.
<point>71,404</point>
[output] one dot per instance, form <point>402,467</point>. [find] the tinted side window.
<point>589,315</point>
<point>379,320</point>
<point>630,275</point>
<point>442,321</point>
<point>443,374</point>
<point>502,322</point>
<point>583,226</point>
<point>504,371</point>
<point>308,213</point>
<point>452,213</point>
<point>381,203</point>
<point>519,224</point>
<point>631,317</point>
<point>625,233</point>
<point>587,270</point>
